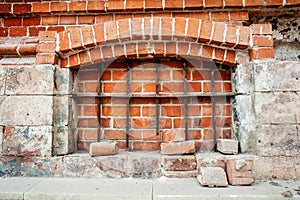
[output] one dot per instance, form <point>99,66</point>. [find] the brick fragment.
<point>212,176</point>
<point>239,171</point>
<point>172,135</point>
<point>178,148</point>
<point>227,146</point>
<point>103,148</point>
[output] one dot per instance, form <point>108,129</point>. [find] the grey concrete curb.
<point>136,189</point>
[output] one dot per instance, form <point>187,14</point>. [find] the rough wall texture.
<point>42,45</point>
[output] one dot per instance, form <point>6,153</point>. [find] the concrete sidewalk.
<point>135,189</point>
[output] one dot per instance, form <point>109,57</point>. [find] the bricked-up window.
<point>141,103</point>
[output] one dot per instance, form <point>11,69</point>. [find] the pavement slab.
<point>14,188</point>
<point>89,189</point>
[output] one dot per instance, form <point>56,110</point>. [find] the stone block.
<point>2,80</point>
<point>26,110</point>
<point>243,78</point>
<point>278,140</point>
<point>173,135</point>
<point>239,171</point>
<point>61,105</point>
<point>9,165</point>
<point>103,148</point>
<point>277,76</point>
<point>281,167</point>
<point>27,141</point>
<point>277,108</point>
<point>146,165</point>
<point>63,140</point>
<point>63,81</point>
<point>227,146</point>
<point>179,163</point>
<point>36,79</point>
<point>172,148</point>
<point>81,165</point>
<point>212,176</point>
<point>1,139</point>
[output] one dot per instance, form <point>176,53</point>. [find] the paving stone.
<point>212,176</point>
<point>27,141</point>
<point>103,148</point>
<point>179,163</point>
<point>227,146</point>
<point>36,79</point>
<point>14,188</point>
<point>178,147</point>
<point>181,174</point>
<point>88,189</point>
<point>173,135</point>
<point>26,110</point>
<point>239,171</point>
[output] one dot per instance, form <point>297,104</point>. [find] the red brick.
<point>49,20</point>
<point>192,4</point>
<point>75,37</point>
<point>96,54</point>
<point>99,33</point>
<point>95,6</point>
<point>173,4</point>
<point>173,148</point>
<point>179,163</point>
<point>64,41</point>
<point>17,31</point>
<point>233,3</point>
<point>43,7</point>
<point>207,52</point>
<point>153,5</point>
<point>271,3</point>
<point>251,3</point>
<point>124,29</point>
<point>104,18</point>
<point>32,21</point>
<point>213,4</point>
<point>244,37</point>
<point>134,5</point>
<point>146,146</point>
<point>263,41</point>
<point>231,36</point>
<point>91,134</point>
<point>84,58</point>
<point>230,57</point>
<point>261,53</point>
<point>74,60</point>
<point>67,20</point>
<point>261,29</point>
<point>114,87</point>
<point>5,8</point>
<point>56,28</point>
<point>46,58</point>
<point>115,5</point>
<point>87,36</point>
<point>239,16</point>
<point>193,30</point>
<point>90,110</point>
<point>166,31</point>
<point>239,171</point>
<point>292,2</point>
<point>21,8</point>
<point>219,16</point>
<point>115,134</point>
<point>173,135</point>
<point>218,35</point>
<point>111,31</point>
<point>179,31</point>
<point>3,32</point>
<point>85,19</point>
<point>13,22</point>
<point>136,28</point>
<point>77,6</point>
<point>46,47</point>
<point>200,15</point>
<point>205,31</point>
<point>58,7</point>
<point>103,148</point>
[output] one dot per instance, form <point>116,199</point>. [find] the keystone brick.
<point>227,146</point>
<point>178,148</point>
<point>239,171</point>
<point>212,176</point>
<point>103,148</point>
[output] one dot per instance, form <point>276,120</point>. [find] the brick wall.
<point>142,108</point>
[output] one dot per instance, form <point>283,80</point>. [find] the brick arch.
<point>151,36</point>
